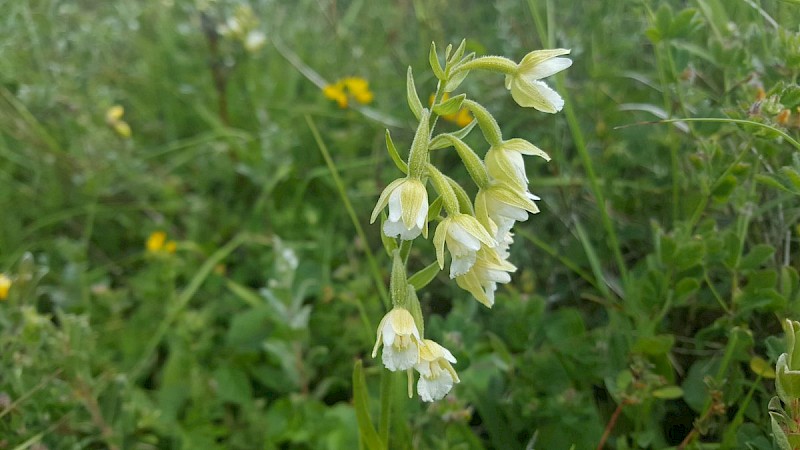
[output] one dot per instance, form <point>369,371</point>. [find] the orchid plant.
<point>476,233</point>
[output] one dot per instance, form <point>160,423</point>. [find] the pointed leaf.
<point>433,58</point>
<point>360,402</point>
<point>398,161</point>
<point>411,95</point>
<point>449,106</point>
<point>462,133</point>
<point>421,279</point>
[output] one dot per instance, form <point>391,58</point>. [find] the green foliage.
<point>647,302</point>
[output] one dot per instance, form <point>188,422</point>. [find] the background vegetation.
<point>646,312</point>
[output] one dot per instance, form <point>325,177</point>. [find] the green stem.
<point>183,299</point>
<point>376,273</point>
<point>580,144</point>
<point>387,383</point>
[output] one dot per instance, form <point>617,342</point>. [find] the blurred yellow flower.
<point>461,118</point>
<point>356,87</point>
<point>5,285</point>
<point>157,242</point>
<point>114,120</point>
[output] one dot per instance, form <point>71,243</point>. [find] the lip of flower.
<point>481,280</point>
<point>400,338</point>
<point>524,84</point>
<point>435,367</point>
<point>463,235</point>
<point>407,199</point>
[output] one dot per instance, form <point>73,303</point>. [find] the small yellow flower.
<point>356,87</point>
<point>5,285</point>
<point>157,242</point>
<point>114,120</point>
<point>336,92</point>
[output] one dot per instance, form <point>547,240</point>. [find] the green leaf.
<point>685,288</point>
<point>790,98</point>
<point>655,345</point>
<point>689,255</point>
<point>421,279</point>
<point>411,95</point>
<point>233,385</point>
<point>761,367</point>
<point>398,161</point>
<point>433,59</point>
<point>462,133</point>
<point>360,402</point>
<point>668,393</point>
<point>757,256</point>
<point>449,106</point>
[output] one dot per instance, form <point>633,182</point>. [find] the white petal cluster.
<point>463,235</point>
<point>407,199</point>
<point>436,373</point>
<point>400,338</point>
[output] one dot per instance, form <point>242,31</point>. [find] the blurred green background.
<point>646,309</point>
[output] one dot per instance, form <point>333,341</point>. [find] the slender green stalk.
<point>387,384</point>
<point>183,299</point>
<point>583,152</point>
<point>376,273</point>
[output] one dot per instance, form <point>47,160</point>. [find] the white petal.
<point>549,95</point>
<point>461,264</point>
<point>397,228</point>
<point>404,359</point>
<point>388,335</point>
<point>395,206</point>
<point>430,390</point>
<point>457,233</point>
<point>547,68</point>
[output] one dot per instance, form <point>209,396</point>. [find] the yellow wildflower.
<point>5,285</point>
<point>336,92</point>
<point>114,120</point>
<point>355,87</point>
<point>157,242</point>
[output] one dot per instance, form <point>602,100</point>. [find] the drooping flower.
<point>435,367</point>
<point>408,208</point>
<point>5,286</point>
<point>503,205</point>
<point>464,236</point>
<point>504,162</point>
<point>525,85</point>
<point>482,279</point>
<point>400,338</point>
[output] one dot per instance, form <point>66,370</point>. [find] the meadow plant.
<point>475,232</point>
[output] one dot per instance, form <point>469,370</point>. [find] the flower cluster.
<point>243,27</point>
<point>114,120</point>
<point>343,89</point>
<point>476,232</point>
<point>157,243</point>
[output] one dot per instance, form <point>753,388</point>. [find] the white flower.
<point>435,368</point>
<point>400,338</point>
<point>408,209</point>
<point>503,205</point>
<point>481,280</point>
<point>524,84</point>
<point>504,161</point>
<point>463,235</point>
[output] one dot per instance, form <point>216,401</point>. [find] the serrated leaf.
<point>450,106</point>
<point>393,153</point>
<point>421,279</point>
<point>433,59</point>
<point>761,367</point>
<point>411,95</point>
<point>668,393</point>
<point>360,402</point>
